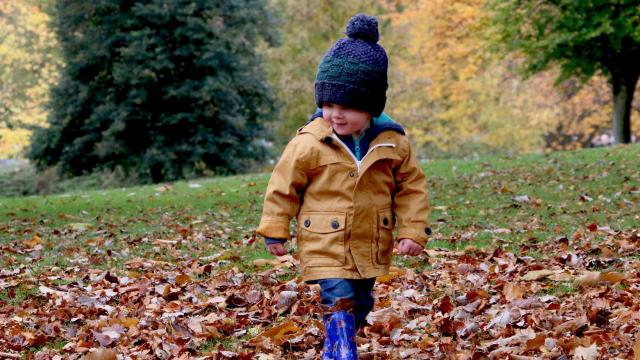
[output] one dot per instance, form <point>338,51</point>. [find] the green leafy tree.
<point>582,38</point>
<point>163,89</point>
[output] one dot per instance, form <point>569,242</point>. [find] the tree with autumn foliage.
<point>448,90</point>
<point>29,65</point>
<point>583,38</point>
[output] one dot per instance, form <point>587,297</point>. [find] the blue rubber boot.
<point>340,337</point>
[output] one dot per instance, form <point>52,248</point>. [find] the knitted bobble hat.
<point>353,72</point>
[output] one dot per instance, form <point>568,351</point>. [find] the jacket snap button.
<point>385,221</point>
<point>427,230</point>
<point>335,224</point>
<point>307,223</point>
<point>352,174</point>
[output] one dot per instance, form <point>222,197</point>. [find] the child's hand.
<point>409,247</point>
<point>276,249</point>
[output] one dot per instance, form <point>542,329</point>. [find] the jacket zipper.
<point>355,159</point>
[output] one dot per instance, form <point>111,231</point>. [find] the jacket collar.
<point>322,130</point>
<point>319,128</point>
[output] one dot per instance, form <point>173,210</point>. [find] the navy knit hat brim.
<point>365,99</point>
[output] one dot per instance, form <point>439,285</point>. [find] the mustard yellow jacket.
<point>346,209</point>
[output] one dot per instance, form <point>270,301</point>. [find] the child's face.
<point>345,120</point>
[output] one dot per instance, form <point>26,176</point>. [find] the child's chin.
<point>341,132</point>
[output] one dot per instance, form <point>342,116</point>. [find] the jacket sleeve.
<point>284,192</point>
<point>411,200</point>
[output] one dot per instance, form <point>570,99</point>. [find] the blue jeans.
<point>359,291</point>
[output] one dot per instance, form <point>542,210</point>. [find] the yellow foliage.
<point>456,97</point>
<point>453,95</point>
<point>28,66</point>
<point>12,141</point>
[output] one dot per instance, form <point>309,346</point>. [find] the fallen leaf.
<point>264,262</point>
<point>636,349</point>
<point>80,227</point>
<point>46,290</point>
<point>512,291</point>
<point>394,272</point>
<point>468,329</point>
<point>164,187</point>
<point>612,277</point>
<point>278,332</point>
<point>108,335</point>
<point>102,354</point>
<point>384,320</point>
<point>561,277</point>
<point>286,299</point>
<point>500,231</point>
<point>572,325</point>
<point>586,353</point>
<point>537,275</point>
<point>35,240</point>
<point>182,279</point>
<point>502,319</point>
<point>129,322</point>
<point>264,357</point>
<point>537,342</point>
<point>588,278</point>
<point>449,327</point>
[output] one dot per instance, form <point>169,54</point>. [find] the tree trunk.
<point>624,85</point>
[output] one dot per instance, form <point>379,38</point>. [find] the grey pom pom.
<point>365,27</point>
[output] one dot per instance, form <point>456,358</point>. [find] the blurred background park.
<point>128,91</point>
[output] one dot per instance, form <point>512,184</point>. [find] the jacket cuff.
<point>271,241</point>
<point>274,228</point>
<point>421,236</point>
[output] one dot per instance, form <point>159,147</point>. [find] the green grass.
<point>472,204</point>
<point>17,295</point>
<point>478,195</point>
<point>561,289</point>
<point>213,344</point>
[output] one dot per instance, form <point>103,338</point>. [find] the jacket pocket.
<point>322,237</point>
<point>384,245</point>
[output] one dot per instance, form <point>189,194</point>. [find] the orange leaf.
<point>588,278</point>
<point>102,354</point>
<point>182,279</point>
<point>512,291</point>
<point>264,262</point>
<point>636,349</point>
<point>536,342</point>
<point>425,342</point>
<point>394,272</point>
<point>278,332</point>
<point>35,240</point>
<point>606,252</point>
<point>129,322</point>
<point>612,277</point>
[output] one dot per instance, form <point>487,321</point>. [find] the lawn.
<point>532,256</point>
